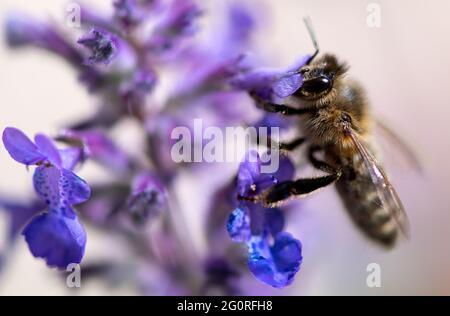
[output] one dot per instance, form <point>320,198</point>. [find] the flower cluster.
<point>274,255</point>
<point>146,64</point>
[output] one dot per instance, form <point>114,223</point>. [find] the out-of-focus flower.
<point>22,30</point>
<point>176,24</point>
<point>277,262</point>
<point>220,276</point>
<point>95,145</point>
<point>127,13</point>
<point>102,45</point>
<point>19,213</point>
<point>134,91</point>
<point>56,235</point>
<point>148,198</point>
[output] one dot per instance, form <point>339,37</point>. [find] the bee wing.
<point>389,198</point>
<point>400,145</point>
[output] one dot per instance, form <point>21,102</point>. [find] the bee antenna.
<point>312,34</point>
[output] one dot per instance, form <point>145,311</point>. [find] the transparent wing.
<point>400,145</point>
<point>389,198</point>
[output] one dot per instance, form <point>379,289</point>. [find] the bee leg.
<point>277,108</point>
<point>292,144</point>
<point>282,191</point>
<point>319,164</point>
<point>270,143</point>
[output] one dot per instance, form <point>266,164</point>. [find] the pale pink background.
<point>405,67</point>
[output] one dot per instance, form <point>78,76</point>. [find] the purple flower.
<point>55,235</point>
<point>127,13</point>
<point>102,45</point>
<point>134,91</point>
<point>19,213</point>
<point>177,23</point>
<point>275,264</point>
<point>22,30</point>
<point>57,238</point>
<point>268,83</point>
<point>95,145</point>
<point>148,198</point>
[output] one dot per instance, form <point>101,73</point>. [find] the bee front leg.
<point>277,108</point>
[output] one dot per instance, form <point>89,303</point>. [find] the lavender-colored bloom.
<point>19,213</point>
<point>97,146</point>
<point>55,235</point>
<point>136,90</point>
<point>255,225</point>
<point>268,83</point>
<point>275,264</point>
<point>57,238</point>
<point>127,13</point>
<point>177,23</point>
<point>22,30</point>
<point>148,198</point>
<point>102,45</point>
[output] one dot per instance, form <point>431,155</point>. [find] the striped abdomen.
<point>364,206</point>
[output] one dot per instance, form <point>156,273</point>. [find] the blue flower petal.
<point>20,147</point>
<point>19,212</point>
<point>60,188</point>
<point>287,85</point>
<point>58,239</point>
<point>75,189</point>
<point>48,149</point>
<point>286,169</point>
<point>46,185</point>
<point>274,219</point>
<point>275,265</point>
<point>238,225</point>
<point>249,171</point>
<point>70,157</point>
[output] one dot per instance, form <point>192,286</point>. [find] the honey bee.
<point>334,115</point>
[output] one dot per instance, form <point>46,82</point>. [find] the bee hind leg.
<point>281,192</point>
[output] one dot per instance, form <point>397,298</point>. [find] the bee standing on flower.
<point>336,121</point>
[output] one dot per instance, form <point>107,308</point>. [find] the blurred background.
<point>404,66</point>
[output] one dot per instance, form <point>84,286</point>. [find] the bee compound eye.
<point>316,85</point>
<point>346,117</point>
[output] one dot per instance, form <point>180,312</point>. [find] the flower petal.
<point>20,147</point>
<point>287,85</point>
<point>238,225</point>
<point>48,149</point>
<point>60,188</point>
<point>75,189</point>
<point>103,46</point>
<point>70,157</point>
<point>148,198</point>
<point>249,171</point>
<point>274,219</point>
<point>46,185</point>
<point>275,265</point>
<point>58,239</point>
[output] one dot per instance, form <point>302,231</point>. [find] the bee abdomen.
<point>364,206</point>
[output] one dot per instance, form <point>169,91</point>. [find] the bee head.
<point>319,77</point>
